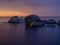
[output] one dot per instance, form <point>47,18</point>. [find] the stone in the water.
<point>31,18</point>
<point>22,20</point>
<point>37,24</point>
<point>51,21</point>
<point>14,19</point>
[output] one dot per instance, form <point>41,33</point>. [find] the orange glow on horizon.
<point>12,13</point>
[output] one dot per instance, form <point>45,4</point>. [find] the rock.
<point>37,24</point>
<point>44,21</point>
<point>31,18</point>
<point>51,21</point>
<point>22,20</point>
<point>14,19</point>
<point>58,23</point>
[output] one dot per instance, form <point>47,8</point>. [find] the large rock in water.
<point>14,19</point>
<point>51,21</point>
<point>31,18</point>
<point>37,24</point>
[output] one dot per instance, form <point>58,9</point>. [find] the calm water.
<point>18,34</point>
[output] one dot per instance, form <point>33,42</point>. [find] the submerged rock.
<point>14,19</point>
<point>31,18</point>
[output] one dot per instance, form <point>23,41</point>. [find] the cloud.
<point>43,7</point>
<point>44,3</point>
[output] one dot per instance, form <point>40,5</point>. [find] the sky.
<point>27,7</point>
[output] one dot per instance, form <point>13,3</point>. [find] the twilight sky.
<point>26,7</point>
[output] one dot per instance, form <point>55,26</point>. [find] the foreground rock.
<point>37,24</point>
<point>31,18</point>
<point>14,19</point>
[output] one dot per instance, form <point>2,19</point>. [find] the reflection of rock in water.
<point>50,25</point>
<point>31,28</point>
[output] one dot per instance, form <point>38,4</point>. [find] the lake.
<point>19,34</point>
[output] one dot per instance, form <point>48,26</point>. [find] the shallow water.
<point>18,34</point>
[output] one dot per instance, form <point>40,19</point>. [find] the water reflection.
<point>18,34</point>
<point>42,36</point>
<point>31,28</point>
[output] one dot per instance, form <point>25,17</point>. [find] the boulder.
<point>14,19</point>
<point>51,21</point>
<point>37,24</point>
<point>31,18</point>
<point>22,20</point>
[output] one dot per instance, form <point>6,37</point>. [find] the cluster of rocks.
<point>16,20</point>
<point>33,21</point>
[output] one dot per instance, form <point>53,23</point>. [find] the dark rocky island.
<point>33,21</point>
<point>14,19</point>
